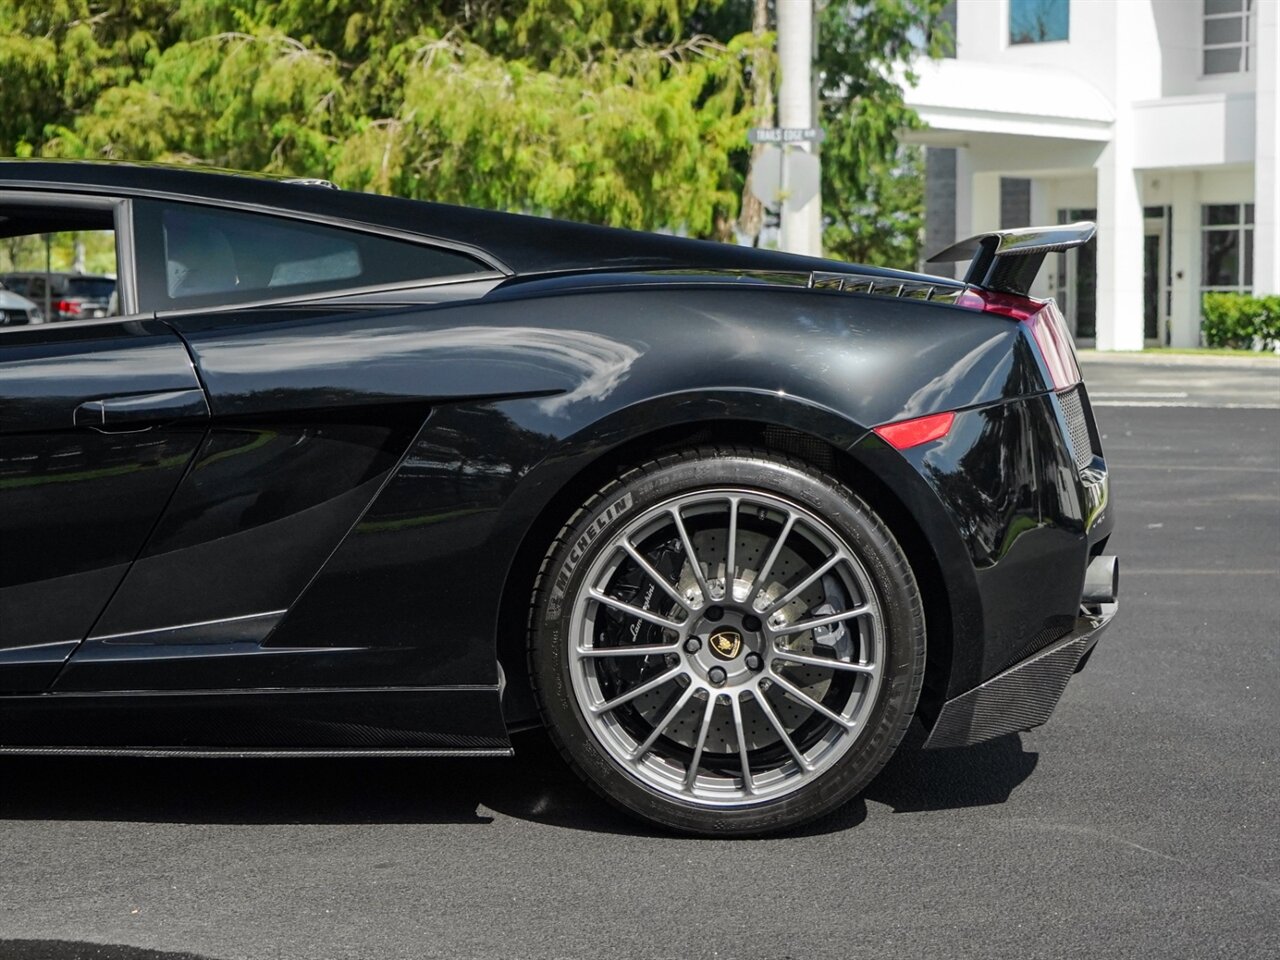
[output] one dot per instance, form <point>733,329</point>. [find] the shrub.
<point>1240,320</point>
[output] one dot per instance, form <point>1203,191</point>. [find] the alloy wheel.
<point>726,647</point>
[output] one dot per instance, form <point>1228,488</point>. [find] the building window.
<point>1038,21</point>
<point>1228,36</point>
<point>1226,247</point>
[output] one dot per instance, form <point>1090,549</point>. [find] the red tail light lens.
<point>911,433</point>
<point>1056,349</point>
<point>68,306</point>
<point>1047,326</point>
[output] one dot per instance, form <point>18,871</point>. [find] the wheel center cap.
<point>725,643</point>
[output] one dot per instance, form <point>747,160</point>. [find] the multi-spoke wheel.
<point>727,642</point>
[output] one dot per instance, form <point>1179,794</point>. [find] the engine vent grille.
<point>942,291</point>
<point>1077,426</point>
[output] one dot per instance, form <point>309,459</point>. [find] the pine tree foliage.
<point>873,189</point>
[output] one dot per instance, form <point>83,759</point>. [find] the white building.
<point>1158,118</point>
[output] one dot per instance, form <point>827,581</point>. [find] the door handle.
<point>141,411</point>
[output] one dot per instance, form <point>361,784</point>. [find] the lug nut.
<point>714,613</point>
<point>754,662</point>
<point>692,645</point>
<point>717,675</point>
<point>752,623</point>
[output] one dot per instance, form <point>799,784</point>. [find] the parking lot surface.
<point>1143,820</point>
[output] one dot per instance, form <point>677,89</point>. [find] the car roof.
<point>520,243</point>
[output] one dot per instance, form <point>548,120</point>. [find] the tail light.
<point>72,307</point>
<point>1043,319</point>
<point>905,434</point>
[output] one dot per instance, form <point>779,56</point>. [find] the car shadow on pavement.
<point>916,779</point>
<point>534,786</point>
<point>82,950</point>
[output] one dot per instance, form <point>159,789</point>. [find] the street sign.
<point>781,177</point>
<point>766,176</point>
<point>803,178</point>
<point>786,135</point>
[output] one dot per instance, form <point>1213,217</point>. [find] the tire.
<point>680,699</point>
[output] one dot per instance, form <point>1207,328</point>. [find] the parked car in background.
<point>17,311</point>
<point>71,296</point>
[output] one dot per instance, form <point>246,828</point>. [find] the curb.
<point>1157,358</point>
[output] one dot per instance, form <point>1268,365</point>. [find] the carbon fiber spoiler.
<point>1008,260</point>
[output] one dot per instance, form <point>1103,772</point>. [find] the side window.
<point>58,259</point>
<point>194,256</point>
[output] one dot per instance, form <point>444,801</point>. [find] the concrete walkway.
<point>1152,378</point>
<point>1165,358</point>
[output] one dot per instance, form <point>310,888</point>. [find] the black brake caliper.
<point>834,637</point>
<point>632,585</point>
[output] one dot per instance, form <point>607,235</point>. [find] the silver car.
<point>16,311</point>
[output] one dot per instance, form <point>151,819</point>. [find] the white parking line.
<point>1130,572</point>
<point>1190,466</point>
<point>1198,404</point>
<point>1144,395</point>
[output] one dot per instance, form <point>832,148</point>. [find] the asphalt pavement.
<point>1142,821</point>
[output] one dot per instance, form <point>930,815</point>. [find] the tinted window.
<point>1226,246</point>
<point>1229,30</point>
<point>1038,21</point>
<point>215,256</point>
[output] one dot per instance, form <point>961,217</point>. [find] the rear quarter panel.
<point>525,393</point>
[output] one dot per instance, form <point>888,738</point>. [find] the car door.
<point>290,464</point>
<point>98,423</point>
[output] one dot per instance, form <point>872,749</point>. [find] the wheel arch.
<point>815,449</point>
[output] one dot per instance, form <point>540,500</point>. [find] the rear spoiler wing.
<point>1008,260</point>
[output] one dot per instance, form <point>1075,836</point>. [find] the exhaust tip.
<point>1102,580</point>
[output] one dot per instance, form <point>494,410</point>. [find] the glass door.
<point>1077,281</point>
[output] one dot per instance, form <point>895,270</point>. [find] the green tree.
<point>58,56</point>
<point>625,112</point>
<point>603,110</point>
<point>872,189</point>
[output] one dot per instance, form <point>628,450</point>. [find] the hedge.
<point>1240,320</point>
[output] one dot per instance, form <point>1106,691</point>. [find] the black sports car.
<point>358,475</point>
